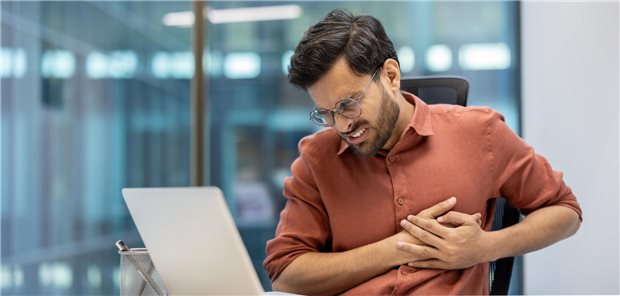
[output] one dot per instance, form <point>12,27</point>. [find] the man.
<point>368,204</point>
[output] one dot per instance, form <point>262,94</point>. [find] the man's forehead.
<point>335,85</point>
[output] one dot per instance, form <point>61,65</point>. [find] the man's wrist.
<point>387,249</point>
<point>492,248</point>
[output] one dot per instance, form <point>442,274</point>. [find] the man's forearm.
<point>331,273</point>
<point>539,229</point>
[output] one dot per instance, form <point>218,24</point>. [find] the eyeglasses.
<point>349,108</point>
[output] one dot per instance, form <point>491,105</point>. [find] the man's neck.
<point>404,118</point>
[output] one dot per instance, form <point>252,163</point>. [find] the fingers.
<point>457,218</point>
<point>430,263</point>
<point>438,209</point>
<point>424,225</point>
<point>420,252</point>
<point>421,234</point>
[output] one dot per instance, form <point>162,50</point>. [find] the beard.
<point>386,122</point>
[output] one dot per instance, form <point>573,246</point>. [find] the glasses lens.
<point>322,117</point>
<point>349,108</point>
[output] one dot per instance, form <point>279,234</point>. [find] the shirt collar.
<point>420,121</point>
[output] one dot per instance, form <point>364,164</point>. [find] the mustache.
<point>356,126</point>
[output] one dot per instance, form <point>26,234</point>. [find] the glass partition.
<point>95,97</point>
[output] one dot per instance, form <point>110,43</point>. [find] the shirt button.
<point>400,201</point>
<point>403,272</point>
<point>391,158</point>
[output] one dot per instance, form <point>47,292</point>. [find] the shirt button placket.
<point>391,159</point>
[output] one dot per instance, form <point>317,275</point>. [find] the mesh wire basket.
<point>138,274</point>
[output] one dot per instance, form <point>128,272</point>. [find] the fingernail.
<point>410,217</point>
<point>452,199</point>
<point>400,245</point>
<point>403,222</point>
<point>440,219</point>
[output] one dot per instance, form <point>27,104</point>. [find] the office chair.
<point>454,90</point>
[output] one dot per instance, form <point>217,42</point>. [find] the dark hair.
<point>361,39</point>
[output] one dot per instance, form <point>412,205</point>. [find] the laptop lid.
<point>192,240</point>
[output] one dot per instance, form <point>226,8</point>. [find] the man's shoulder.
<point>458,110</point>
<point>321,144</point>
<point>464,116</point>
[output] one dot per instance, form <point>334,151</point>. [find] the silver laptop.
<point>193,241</point>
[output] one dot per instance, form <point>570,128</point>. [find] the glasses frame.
<point>339,109</point>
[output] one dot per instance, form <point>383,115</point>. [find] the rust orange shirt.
<point>337,201</point>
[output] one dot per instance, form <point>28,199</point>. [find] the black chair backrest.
<point>454,90</point>
<point>438,89</point>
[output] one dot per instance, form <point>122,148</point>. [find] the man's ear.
<point>392,71</point>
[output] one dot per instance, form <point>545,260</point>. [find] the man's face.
<point>369,132</point>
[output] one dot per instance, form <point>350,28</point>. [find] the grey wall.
<point>570,115</point>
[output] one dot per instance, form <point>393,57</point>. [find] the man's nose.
<point>342,124</point>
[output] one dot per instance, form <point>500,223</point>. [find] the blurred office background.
<point>96,97</point>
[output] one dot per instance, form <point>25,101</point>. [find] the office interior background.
<point>96,97</point>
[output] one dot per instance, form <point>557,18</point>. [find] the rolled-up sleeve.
<point>304,224</point>
<point>524,178</point>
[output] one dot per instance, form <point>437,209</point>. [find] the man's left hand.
<point>457,247</point>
